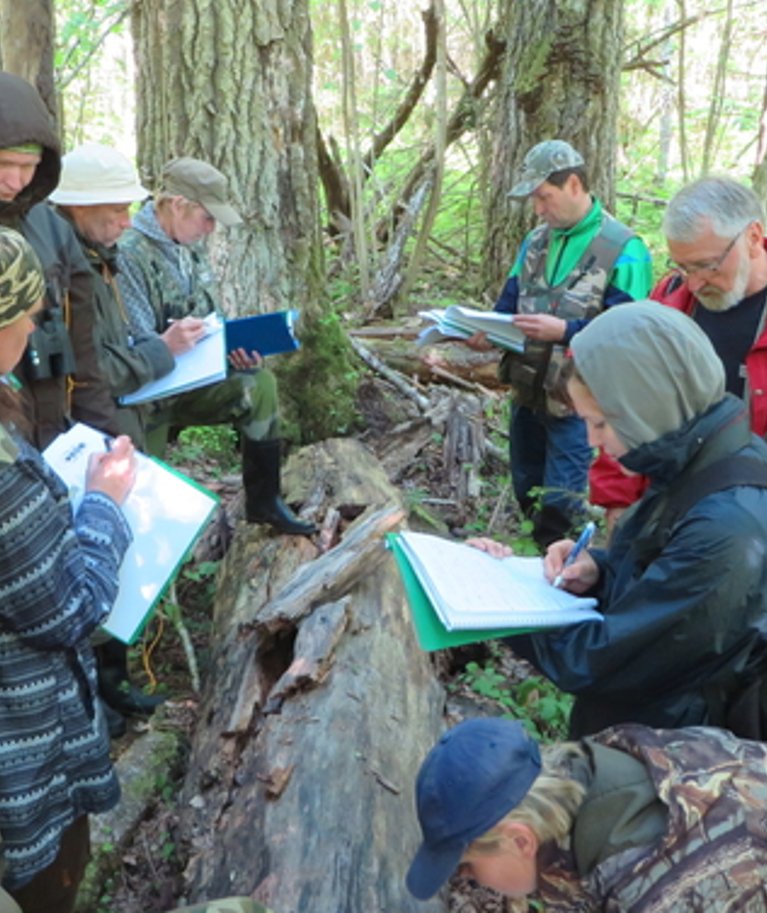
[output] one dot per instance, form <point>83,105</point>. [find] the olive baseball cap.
<point>201,183</point>
<point>473,777</point>
<point>541,162</point>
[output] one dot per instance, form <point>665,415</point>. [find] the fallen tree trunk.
<point>318,710</point>
<point>450,362</point>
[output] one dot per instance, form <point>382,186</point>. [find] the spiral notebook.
<point>459,594</point>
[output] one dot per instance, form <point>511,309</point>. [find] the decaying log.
<point>318,710</point>
<point>437,364</point>
<point>399,382</point>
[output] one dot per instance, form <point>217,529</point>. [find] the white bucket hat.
<point>93,174</point>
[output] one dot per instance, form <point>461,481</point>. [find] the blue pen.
<point>583,541</point>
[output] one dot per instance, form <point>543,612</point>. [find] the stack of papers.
<point>165,510</point>
<point>462,322</point>
<point>459,594</point>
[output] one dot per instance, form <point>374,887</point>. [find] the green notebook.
<point>430,632</point>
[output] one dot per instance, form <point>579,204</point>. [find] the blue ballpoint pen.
<point>583,541</point>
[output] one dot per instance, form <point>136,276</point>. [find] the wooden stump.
<point>317,713</point>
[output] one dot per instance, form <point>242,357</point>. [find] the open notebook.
<point>200,366</point>
<point>459,594</point>
<point>461,322</point>
<point>166,512</point>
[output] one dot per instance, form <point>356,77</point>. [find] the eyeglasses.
<point>712,267</point>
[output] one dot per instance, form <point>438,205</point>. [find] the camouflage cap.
<point>541,162</point>
<point>21,277</point>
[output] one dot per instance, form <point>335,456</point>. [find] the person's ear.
<point>755,238</point>
<point>574,185</point>
<point>521,837</point>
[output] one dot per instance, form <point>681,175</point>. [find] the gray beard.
<point>716,300</point>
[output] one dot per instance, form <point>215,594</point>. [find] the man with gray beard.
<point>714,229</point>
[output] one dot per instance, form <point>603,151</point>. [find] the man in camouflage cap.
<point>578,261</point>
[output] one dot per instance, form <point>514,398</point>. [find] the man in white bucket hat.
<point>98,185</point>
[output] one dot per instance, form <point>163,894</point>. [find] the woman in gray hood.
<point>683,585</point>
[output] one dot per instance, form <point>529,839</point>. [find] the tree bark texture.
<point>560,80</point>
<point>229,82</point>
<point>317,713</point>
<point>26,45</point>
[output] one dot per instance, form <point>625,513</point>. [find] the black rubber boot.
<point>115,686</point>
<point>116,722</point>
<point>261,480</point>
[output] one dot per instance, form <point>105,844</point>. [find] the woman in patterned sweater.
<point>58,580</point>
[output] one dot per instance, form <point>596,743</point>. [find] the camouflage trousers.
<point>246,400</point>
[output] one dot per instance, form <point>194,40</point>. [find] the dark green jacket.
<point>127,359</point>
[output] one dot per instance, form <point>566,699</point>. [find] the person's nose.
<point>696,281</point>
<point>539,208</point>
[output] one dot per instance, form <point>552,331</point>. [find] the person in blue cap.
<point>630,819</point>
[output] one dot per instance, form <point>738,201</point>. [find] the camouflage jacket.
<point>160,280</point>
<point>712,857</point>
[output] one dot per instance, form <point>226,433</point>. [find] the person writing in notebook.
<point>58,579</point>
<point>683,584</point>
<point>164,276</point>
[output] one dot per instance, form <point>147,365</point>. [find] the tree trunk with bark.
<point>318,709</point>
<point>26,45</point>
<point>230,83</point>
<point>560,80</point>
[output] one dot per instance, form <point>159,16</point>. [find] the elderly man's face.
<point>191,222</point>
<point>103,223</point>
<point>717,270</point>
<point>16,171</point>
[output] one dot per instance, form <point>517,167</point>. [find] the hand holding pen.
<point>564,555</point>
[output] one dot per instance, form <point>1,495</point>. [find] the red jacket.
<point>608,485</point>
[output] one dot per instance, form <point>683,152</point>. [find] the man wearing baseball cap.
<point>578,261</point>
<point>629,819</point>
<point>165,277</point>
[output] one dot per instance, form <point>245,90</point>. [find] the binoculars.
<point>49,349</point>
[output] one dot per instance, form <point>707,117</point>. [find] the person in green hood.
<point>668,821</point>
<point>683,583</point>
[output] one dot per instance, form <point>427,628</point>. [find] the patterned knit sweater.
<point>58,579</point>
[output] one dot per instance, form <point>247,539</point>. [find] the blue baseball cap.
<point>475,775</point>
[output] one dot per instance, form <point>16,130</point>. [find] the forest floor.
<point>484,678</point>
